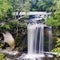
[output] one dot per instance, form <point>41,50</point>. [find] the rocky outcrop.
<point>8,38</point>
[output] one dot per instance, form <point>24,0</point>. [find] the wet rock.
<point>11,54</point>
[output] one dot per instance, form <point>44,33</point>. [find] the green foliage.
<point>4,7</point>
<point>2,57</point>
<point>43,5</point>
<point>13,23</point>
<point>57,47</point>
<point>57,51</point>
<point>58,42</point>
<point>10,25</point>
<point>32,5</point>
<point>20,5</point>
<point>54,20</point>
<point>4,27</point>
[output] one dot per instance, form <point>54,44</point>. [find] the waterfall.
<point>41,41</point>
<point>36,38</point>
<point>31,33</point>
<point>35,42</point>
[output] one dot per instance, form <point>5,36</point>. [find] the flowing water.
<point>35,38</point>
<point>36,41</point>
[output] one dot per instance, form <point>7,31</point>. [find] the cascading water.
<point>41,40</point>
<point>36,41</point>
<point>35,37</point>
<point>31,35</point>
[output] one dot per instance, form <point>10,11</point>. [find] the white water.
<point>36,41</point>
<point>41,40</point>
<point>33,31</point>
<point>31,35</point>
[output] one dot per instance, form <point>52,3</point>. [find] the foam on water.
<point>32,57</point>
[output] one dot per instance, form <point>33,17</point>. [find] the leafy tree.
<point>32,5</point>
<point>20,6</point>
<point>43,5</point>
<point>54,21</point>
<point>5,6</point>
